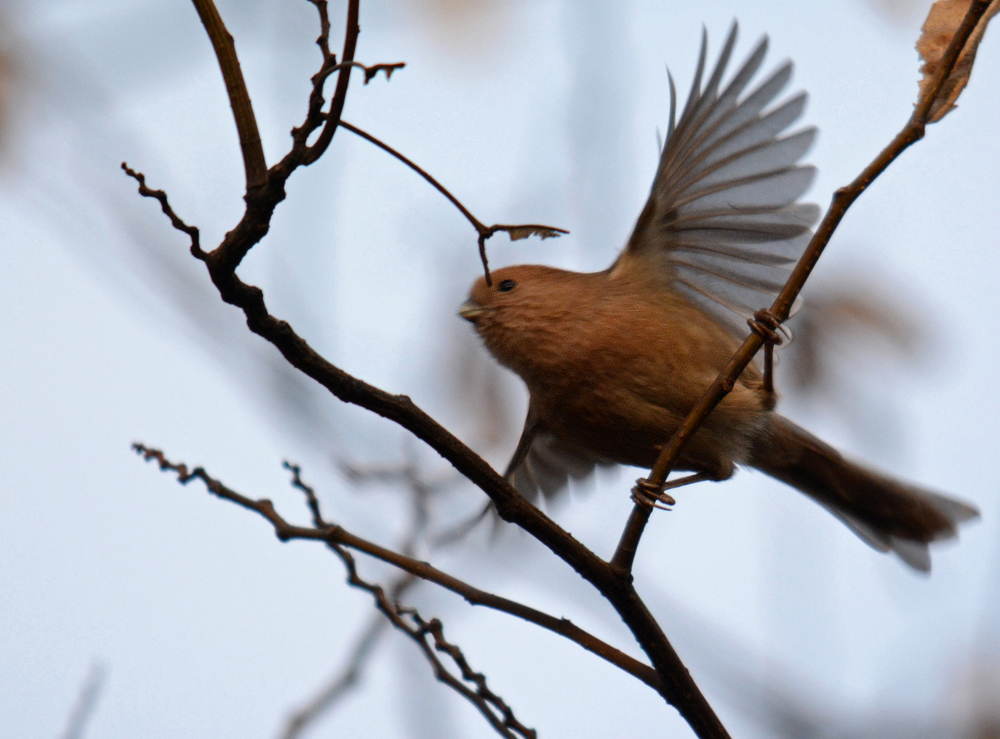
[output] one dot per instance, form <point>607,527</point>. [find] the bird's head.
<point>526,308</point>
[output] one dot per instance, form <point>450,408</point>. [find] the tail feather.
<point>887,514</point>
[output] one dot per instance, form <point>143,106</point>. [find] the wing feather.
<point>723,223</point>
<point>549,465</point>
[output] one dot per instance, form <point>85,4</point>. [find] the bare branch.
<point>311,500</point>
<point>489,704</point>
<point>336,535</point>
<point>488,701</point>
<point>324,27</point>
<point>236,87</point>
<point>912,132</point>
<point>314,114</point>
<point>350,674</point>
<point>672,679</point>
<point>476,223</point>
<point>315,151</point>
<point>266,187</point>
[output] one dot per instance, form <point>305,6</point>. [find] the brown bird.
<point>615,360</point>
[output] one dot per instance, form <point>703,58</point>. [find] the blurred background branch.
<point>86,702</point>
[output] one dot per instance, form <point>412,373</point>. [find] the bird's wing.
<point>722,224</point>
<point>543,464</point>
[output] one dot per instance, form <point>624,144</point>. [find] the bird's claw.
<point>646,493</point>
<point>766,325</point>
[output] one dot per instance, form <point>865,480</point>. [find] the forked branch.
<point>333,534</point>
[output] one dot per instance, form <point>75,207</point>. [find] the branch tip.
<point>159,195</point>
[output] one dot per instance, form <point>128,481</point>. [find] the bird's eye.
<point>506,286</point>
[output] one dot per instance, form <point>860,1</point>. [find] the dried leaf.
<point>937,32</point>
<point>373,70</point>
<point>517,233</point>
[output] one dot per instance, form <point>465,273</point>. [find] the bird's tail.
<point>887,514</point>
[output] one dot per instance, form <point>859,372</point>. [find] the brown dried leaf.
<point>937,32</point>
<point>517,233</point>
<point>373,70</point>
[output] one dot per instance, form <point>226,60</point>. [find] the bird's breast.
<point>618,377</point>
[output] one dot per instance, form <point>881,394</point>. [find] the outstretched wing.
<point>722,224</point>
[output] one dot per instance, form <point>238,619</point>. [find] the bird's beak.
<point>471,311</point>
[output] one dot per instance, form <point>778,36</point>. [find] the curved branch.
<point>315,151</point>
<point>476,223</point>
<point>236,87</point>
<point>517,232</point>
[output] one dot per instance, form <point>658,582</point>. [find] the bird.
<point>614,360</point>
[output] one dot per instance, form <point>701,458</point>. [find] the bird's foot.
<point>766,325</point>
<point>647,494</point>
<point>656,496</point>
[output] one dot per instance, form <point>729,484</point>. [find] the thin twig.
<point>175,221</point>
<point>314,114</point>
<point>912,132</point>
<point>491,706</point>
<point>317,150</point>
<point>516,232</point>
<point>347,677</point>
<point>496,712</point>
<point>476,223</point>
<point>490,700</point>
<point>335,534</point>
<point>324,27</point>
<point>311,500</point>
